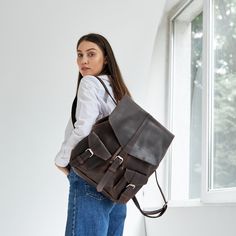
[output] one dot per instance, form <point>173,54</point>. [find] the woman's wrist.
<point>65,170</point>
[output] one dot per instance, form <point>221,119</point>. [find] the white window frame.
<point>207,195</point>
<point>223,195</point>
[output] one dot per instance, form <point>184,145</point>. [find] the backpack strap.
<point>73,110</point>
<point>74,104</point>
<point>155,213</point>
<point>105,87</point>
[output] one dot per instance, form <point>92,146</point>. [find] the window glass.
<point>196,107</point>
<point>223,162</point>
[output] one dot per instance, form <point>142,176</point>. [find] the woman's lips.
<point>85,68</point>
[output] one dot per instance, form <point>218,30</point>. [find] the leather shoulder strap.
<point>155,213</point>
<point>151,214</point>
<point>74,104</point>
<point>73,110</point>
<point>106,89</point>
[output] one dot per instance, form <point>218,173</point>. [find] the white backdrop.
<point>38,75</point>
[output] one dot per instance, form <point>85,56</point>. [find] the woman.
<point>89,212</point>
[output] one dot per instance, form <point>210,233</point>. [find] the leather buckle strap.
<point>125,196</point>
<point>82,158</point>
<point>111,170</point>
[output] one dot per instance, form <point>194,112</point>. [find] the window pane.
<point>223,170</point>
<point>196,107</point>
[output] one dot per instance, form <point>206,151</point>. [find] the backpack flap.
<point>97,147</point>
<point>140,134</point>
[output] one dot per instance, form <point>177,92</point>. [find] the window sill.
<point>197,203</point>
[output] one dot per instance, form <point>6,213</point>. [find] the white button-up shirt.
<point>93,103</point>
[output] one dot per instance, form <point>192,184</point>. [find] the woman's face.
<point>90,58</point>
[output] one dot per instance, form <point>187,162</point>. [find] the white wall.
<point>38,76</point>
<point>194,221</point>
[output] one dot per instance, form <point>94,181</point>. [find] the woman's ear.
<point>105,60</point>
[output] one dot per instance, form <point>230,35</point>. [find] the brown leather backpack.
<point>121,152</point>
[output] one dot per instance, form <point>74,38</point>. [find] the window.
<point>220,98</point>
<point>223,167</point>
<point>186,77</point>
<point>196,107</point>
<point>203,98</point>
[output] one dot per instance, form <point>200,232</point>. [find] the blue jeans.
<point>90,213</point>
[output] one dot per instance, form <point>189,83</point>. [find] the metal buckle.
<point>121,159</point>
<point>90,150</point>
<point>131,185</point>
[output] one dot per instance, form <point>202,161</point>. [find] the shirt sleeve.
<point>87,111</point>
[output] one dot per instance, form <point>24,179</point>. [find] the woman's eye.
<point>79,55</point>
<point>91,54</point>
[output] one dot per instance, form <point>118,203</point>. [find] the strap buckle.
<point>130,185</point>
<point>120,158</point>
<point>91,152</point>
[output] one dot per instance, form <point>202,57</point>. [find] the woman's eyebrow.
<point>87,49</point>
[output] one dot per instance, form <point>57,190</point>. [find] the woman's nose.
<point>84,60</point>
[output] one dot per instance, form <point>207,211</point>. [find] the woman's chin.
<point>84,74</point>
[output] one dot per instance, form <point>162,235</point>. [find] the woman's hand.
<point>63,169</point>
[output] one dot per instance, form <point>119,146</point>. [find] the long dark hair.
<point>111,68</point>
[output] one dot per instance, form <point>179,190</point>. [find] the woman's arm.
<point>65,170</point>
<point>87,111</point>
